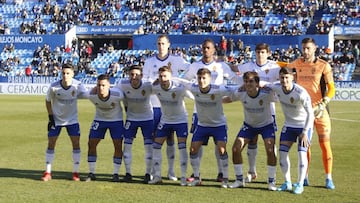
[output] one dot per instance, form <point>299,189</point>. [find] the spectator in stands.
<point>68,48</point>
<point>323,27</point>
<point>239,44</point>
<point>2,28</point>
<point>356,54</point>
<point>2,66</point>
<point>110,48</point>
<point>231,45</point>
<point>6,48</point>
<point>223,46</point>
<point>345,58</point>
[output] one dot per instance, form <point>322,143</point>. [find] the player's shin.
<point>302,166</point>
<point>127,157</point>
<point>285,162</point>
<point>224,159</point>
<point>170,152</point>
<point>148,158</point>
<point>195,164</point>
<point>183,159</point>
<point>76,153</point>
<point>49,157</point>
<point>157,158</point>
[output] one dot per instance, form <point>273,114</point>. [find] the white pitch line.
<point>348,120</point>
<point>344,112</point>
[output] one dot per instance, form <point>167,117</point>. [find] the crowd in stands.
<point>47,61</point>
<point>338,13</point>
<point>184,16</point>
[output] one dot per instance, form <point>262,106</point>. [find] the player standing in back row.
<point>315,74</point>
<point>268,71</point>
<point>151,73</point>
<point>258,119</point>
<point>218,71</point>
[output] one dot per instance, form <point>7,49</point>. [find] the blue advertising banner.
<point>106,30</point>
<point>347,30</point>
<point>26,41</point>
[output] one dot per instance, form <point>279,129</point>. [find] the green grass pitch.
<point>23,143</point>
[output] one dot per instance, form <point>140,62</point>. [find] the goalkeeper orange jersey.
<point>309,76</point>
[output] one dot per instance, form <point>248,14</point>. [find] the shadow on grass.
<point>67,175</point>
<point>37,174</point>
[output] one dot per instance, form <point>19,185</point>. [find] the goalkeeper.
<point>315,75</point>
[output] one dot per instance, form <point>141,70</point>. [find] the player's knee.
<point>284,148</point>
<point>128,140</point>
<point>194,150</point>
<point>182,145</point>
<point>236,149</point>
<point>157,145</point>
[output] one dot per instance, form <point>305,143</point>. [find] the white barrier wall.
<point>347,91</point>
<point>22,85</point>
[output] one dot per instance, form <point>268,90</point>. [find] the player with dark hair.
<point>268,71</point>
<point>258,119</point>
<point>174,118</point>
<point>61,105</point>
<point>310,71</point>
<point>211,122</point>
<point>299,119</point>
<point>108,115</point>
<point>139,114</point>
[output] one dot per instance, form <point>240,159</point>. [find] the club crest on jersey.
<point>212,97</point>
<point>267,71</point>
<point>313,70</point>
<point>173,95</point>
<point>112,105</point>
<point>143,92</point>
<point>73,93</point>
<point>214,68</point>
<point>292,100</point>
<point>169,64</point>
<point>261,102</point>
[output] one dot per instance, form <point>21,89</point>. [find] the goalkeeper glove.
<point>320,107</point>
<point>51,123</point>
